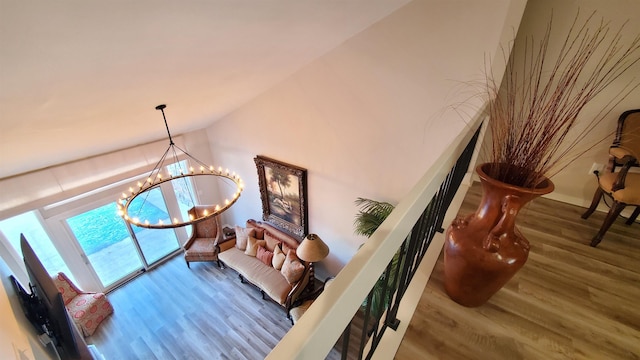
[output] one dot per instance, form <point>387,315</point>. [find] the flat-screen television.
<point>45,309</point>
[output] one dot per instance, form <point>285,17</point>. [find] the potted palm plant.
<point>535,132</point>
<point>370,215</point>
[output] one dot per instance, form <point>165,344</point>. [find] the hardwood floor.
<point>172,312</point>
<point>569,301</point>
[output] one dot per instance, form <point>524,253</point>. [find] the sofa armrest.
<point>224,245</point>
<point>298,288</point>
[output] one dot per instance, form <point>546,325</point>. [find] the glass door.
<point>154,244</point>
<point>115,249</point>
<point>107,244</point>
<point>183,190</point>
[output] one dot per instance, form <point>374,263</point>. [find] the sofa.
<point>266,257</point>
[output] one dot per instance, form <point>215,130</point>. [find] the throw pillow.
<point>242,235</point>
<point>252,246</point>
<point>264,255</point>
<point>272,241</point>
<point>286,248</point>
<point>292,269</point>
<point>278,258</point>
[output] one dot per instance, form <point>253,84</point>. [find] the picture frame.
<point>283,191</point>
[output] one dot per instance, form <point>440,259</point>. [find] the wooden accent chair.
<point>87,309</point>
<point>203,243</point>
<point>622,186</point>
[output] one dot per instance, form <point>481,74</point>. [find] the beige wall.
<point>369,117</point>
<point>574,184</point>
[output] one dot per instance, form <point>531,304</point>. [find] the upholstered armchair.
<point>87,309</point>
<point>622,186</point>
<point>203,243</point>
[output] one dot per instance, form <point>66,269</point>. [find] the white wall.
<point>18,338</point>
<point>574,184</point>
<point>369,117</point>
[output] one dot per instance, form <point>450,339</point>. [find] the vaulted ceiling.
<point>80,78</point>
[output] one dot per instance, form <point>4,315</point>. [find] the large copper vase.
<point>484,250</point>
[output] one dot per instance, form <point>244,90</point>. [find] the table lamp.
<point>312,249</point>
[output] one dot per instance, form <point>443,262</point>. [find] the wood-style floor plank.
<point>569,301</point>
<point>173,312</point>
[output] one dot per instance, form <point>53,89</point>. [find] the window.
<point>30,225</point>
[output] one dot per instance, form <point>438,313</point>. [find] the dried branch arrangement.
<point>534,112</point>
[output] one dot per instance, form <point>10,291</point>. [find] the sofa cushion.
<point>242,236</point>
<point>253,270</point>
<point>278,258</point>
<point>252,246</point>
<point>259,233</point>
<point>271,240</point>
<point>291,241</point>
<point>264,255</point>
<point>292,269</point>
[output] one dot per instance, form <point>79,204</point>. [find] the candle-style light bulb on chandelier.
<point>131,204</point>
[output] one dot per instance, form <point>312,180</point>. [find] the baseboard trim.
<point>626,213</point>
<point>573,200</point>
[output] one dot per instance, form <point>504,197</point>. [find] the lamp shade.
<point>312,249</point>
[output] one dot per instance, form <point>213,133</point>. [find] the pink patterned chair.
<point>86,309</point>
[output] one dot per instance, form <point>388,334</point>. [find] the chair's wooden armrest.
<point>622,175</point>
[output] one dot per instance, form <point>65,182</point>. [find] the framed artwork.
<point>283,190</point>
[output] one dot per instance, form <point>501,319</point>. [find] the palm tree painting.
<point>283,193</point>
<point>284,199</point>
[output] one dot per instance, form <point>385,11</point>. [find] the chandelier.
<point>136,206</point>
